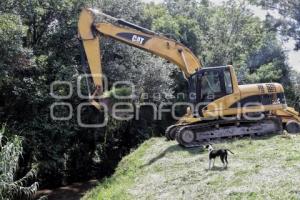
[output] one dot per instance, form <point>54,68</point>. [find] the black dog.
<point>222,153</point>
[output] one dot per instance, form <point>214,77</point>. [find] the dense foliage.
<point>285,23</point>
<point>10,153</point>
<point>39,45</point>
<point>288,23</point>
<point>227,34</point>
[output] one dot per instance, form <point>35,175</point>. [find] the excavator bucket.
<point>96,104</point>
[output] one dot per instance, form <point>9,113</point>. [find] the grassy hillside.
<point>264,168</point>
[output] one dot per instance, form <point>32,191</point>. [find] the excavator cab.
<point>209,84</point>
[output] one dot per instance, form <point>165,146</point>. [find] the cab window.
<point>210,85</point>
<point>228,83</point>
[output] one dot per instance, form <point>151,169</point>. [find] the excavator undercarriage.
<point>192,135</point>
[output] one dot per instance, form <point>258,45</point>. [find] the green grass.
<point>262,168</point>
<point>116,186</point>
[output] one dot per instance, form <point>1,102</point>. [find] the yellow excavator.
<point>223,109</point>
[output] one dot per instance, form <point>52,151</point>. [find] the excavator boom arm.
<point>132,35</point>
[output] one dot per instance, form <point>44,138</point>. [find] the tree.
<point>220,35</point>
<point>289,24</point>
<point>40,45</point>
<point>10,152</point>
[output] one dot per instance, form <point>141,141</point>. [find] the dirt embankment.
<point>261,168</point>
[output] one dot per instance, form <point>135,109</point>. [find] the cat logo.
<point>137,39</point>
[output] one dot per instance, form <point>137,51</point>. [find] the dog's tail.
<point>229,151</point>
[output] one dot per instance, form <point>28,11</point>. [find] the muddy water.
<point>70,192</point>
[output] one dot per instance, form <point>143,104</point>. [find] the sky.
<point>293,56</point>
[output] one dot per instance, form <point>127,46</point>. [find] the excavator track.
<point>171,131</point>
<point>198,134</point>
